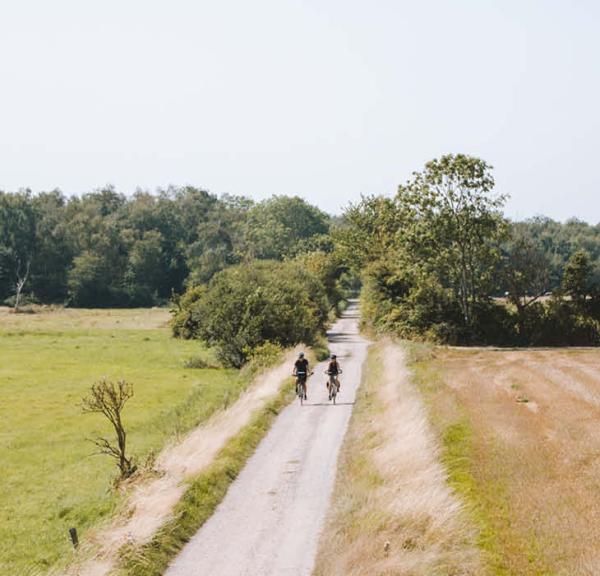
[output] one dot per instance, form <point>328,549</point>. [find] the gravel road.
<point>270,521</point>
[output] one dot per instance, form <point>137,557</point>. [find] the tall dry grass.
<point>393,511</point>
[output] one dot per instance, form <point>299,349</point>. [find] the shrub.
<point>197,363</point>
<point>494,324</point>
<point>246,306</point>
<point>264,355</point>
<point>183,324</point>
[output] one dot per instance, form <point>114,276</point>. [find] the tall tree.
<point>455,223</point>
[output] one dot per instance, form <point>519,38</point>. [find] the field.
<point>48,360</point>
<point>522,445</point>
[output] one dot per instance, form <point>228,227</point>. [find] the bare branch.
<point>109,399</point>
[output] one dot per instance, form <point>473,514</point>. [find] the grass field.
<point>521,435</point>
<point>50,481</point>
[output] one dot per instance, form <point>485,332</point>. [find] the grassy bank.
<point>50,482</point>
<point>392,511</point>
<point>204,494</point>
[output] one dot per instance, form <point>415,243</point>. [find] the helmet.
<point>333,356</point>
<point>301,355</point>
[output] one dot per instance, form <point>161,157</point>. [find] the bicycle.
<point>333,385</point>
<point>301,378</point>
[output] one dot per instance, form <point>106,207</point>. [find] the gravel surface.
<point>271,519</point>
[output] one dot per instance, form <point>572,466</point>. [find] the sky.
<point>325,99</point>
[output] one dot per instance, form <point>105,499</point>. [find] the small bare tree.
<point>109,399</point>
<point>21,276</point>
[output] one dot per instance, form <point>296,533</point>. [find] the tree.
<point>525,273</point>
<point>53,255</point>
<point>577,279</point>
<point>145,268</point>
<point>368,231</point>
<point>109,399</point>
<point>278,227</point>
<point>18,239</point>
<point>526,270</point>
<point>453,224</point>
<point>88,281</point>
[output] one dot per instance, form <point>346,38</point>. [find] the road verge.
<point>393,511</point>
<point>203,494</point>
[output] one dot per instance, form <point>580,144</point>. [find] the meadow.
<point>51,481</point>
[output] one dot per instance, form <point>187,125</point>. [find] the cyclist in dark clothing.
<point>301,372</point>
<point>333,370</point>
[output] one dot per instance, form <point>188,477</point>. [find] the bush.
<point>197,363</point>
<point>247,306</point>
<point>563,324</point>
<point>494,324</point>
<point>264,355</point>
<point>183,324</point>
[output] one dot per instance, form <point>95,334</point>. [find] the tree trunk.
<point>20,283</point>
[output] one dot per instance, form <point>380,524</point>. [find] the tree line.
<point>104,249</point>
<point>439,260</point>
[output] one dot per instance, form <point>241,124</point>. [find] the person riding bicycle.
<point>301,372</point>
<point>334,370</point>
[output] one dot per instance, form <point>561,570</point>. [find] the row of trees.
<point>439,260</point>
<point>105,249</point>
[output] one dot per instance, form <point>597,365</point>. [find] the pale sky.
<point>326,99</point>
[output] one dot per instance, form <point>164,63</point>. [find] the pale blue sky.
<point>326,99</point>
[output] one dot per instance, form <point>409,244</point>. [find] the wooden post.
<point>74,538</point>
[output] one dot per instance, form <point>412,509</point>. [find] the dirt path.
<point>270,520</point>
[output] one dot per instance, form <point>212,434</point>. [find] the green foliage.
<point>427,256</point>
<point>452,224</point>
<point>264,355</point>
<point>525,268</point>
<point>104,249</point>
<point>577,279</point>
<point>248,305</point>
<point>183,323</point>
<point>284,226</point>
<point>435,258</point>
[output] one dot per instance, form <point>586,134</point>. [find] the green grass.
<point>50,481</point>
<point>203,495</point>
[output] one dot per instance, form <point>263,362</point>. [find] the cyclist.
<point>334,370</point>
<point>301,372</point>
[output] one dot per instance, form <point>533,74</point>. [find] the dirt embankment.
<point>393,512</point>
<point>535,420</point>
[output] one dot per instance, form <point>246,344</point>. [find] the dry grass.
<point>393,512</point>
<point>534,417</point>
<point>54,318</point>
